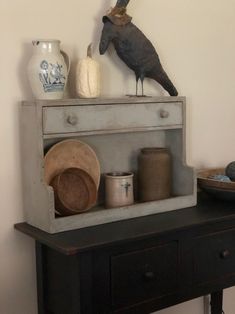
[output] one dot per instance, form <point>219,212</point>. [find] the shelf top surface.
<point>103,101</point>
<point>207,211</point>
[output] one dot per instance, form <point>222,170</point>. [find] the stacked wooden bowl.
<point>72,169</point>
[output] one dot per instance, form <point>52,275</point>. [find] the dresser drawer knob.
<point>225,254</point>
<point>72,120</point>
<point>164,114</point>
<point>149,275</point>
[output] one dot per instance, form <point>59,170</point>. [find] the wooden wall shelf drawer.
<point>116,129</point>
<point>124,117</point>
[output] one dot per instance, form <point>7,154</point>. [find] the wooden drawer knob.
<point>225,254</point>
<point>72,120</point>
<point>164,114</point>
<point>149,275</point>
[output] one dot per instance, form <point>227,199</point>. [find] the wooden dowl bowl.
<point>218,189</point>
<point>75,191</point>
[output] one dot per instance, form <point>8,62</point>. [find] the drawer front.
<point>145,274</point>
<point>214,257</point>
<point>123,117</point>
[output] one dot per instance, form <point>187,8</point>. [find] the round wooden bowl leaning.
<point>75,191</point>
<point>71,153</point>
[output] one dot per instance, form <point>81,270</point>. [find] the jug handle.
<point>66,59</point>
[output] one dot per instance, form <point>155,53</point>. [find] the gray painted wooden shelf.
<point>116,129</point>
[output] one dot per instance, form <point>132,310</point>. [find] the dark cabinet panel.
<point>144,274</point>
<point>137,266</point>
<point>214,257</point>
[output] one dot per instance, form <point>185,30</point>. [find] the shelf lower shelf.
<point>99,215</point>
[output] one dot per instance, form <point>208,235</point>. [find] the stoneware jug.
<point>48,69</point>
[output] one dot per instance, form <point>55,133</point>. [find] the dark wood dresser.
<point>139,265</point>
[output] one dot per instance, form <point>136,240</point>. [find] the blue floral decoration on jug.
<point>51,76</point>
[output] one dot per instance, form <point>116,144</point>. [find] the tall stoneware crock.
<point>48,69</point>
<point>154,174</point>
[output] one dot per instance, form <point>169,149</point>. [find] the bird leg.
<point>136,87</point>
<point>142,85</point>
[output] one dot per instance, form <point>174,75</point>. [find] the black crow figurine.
<point>133,47</point>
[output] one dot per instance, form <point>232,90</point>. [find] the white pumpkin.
<point>88,77</point>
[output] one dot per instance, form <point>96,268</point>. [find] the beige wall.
<point>196,43</point>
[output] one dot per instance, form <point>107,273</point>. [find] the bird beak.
<point>103,47</point>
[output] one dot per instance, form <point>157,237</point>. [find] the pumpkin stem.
<point>89,53</point>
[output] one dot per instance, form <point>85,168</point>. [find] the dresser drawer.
<point>70,119</point>
<point>214,257</point>
<point>144,274</point>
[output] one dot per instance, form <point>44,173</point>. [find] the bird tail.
<point>162,78</point>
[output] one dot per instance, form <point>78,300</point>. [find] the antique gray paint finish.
<point>138,124</point>
<point>127,116</point>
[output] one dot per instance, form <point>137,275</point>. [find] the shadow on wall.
<point>27,50</point>
<point>97,29</point>
<point>107,4</point>
<point>111,53</point>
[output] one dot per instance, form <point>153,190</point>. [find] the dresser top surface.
<point>207,211</point>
